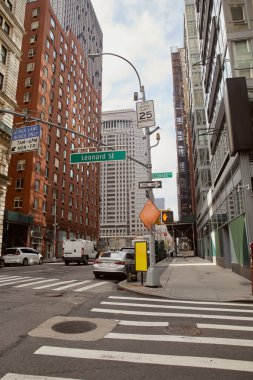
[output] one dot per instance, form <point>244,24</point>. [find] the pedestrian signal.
<point>167,216</point>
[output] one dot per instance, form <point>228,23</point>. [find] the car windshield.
<point>113,255</point>
<point>127,249</point>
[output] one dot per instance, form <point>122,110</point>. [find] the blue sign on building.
<point>27,132</point>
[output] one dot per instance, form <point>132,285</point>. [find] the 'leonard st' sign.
<point>150,185</point>
<point>116,155</point>
<point>25,139</point>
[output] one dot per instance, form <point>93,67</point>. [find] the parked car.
<point>118,262</point>
<point>22,255</point>
<point>128,249</point>
<point>78,251</point>
<point>1,262</point>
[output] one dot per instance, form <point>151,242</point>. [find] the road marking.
<point>181,301</point>
<point>143,323</point>
<point>15,376</point>
<point>9,278</point>
<point>71,285</point>
<point>59,283</point>
<point>139,358</point>
<point>191,264</point>
<point>25,279</point>
<point>176,307</point>
<point>36,282</point>
<point>91,286</point>
<point>182,339</point>
<point>224,327</point>
<point>160,314</point>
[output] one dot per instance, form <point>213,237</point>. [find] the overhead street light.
<point>153,278</point>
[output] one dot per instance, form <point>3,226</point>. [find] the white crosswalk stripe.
<point>143,358</point>
<point>54,284</point>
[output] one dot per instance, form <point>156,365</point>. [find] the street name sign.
<point>84,158</point>
<point>162,175</point>
<point>150,185</point>
<point>25,139</point>
<point>145,114</point>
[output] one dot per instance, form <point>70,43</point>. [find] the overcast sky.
<point>144,31</point>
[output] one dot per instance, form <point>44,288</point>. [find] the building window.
<point>35,203</point>
<point>19,183</point>
<point>237,13</point>
<point>3,55</point>
<point>1,81</point>
<point>18,202</point>
<point>56,162</point>
<point>51,34</point>
<point>37,167</point>
<point>35,12</point>
<point>34,25</point>
<point>31,52</point>
<point>27,97</point>
<point>56,178</point>
<point>20,165</point>
<point>70,216</point>
<point>52,22</point>
<point>43,101</point>
<point>45,71</point>
<point>37,185</point>
<point>30,67</point>
<point>28,82</point>
<point>6,28</point>
<point>33,38</point>
<point>57,147</point>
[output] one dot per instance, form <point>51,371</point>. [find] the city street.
<point>58,322</point>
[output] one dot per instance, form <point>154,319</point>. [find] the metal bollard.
<point>251,263</point>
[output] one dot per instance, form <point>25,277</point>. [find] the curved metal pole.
<point>124,59</point>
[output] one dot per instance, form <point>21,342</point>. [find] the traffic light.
<point>167,216</point>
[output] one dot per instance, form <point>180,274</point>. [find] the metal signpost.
<point>162,175</point>
<point>145,114</point>
<point>25,139</point>
<point>78,158</point>
<point>150,185</point>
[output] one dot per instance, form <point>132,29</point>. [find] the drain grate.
<point>74,327</point>
<point>182,330</point>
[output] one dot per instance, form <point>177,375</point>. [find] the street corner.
<point>74,328</point>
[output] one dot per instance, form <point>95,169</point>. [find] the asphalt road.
<point>58,322</point>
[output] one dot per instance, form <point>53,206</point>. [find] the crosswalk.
<point>237,317</point>
<point>54,284</point>
<point>181,334</point>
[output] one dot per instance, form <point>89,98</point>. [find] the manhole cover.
<point>182,330</point>
<point>74,327</point>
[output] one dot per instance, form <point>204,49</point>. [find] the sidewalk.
<point>194,278</point>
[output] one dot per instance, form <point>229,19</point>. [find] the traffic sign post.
<point>162,175</point>
<point>145,114</point>
<point>25,139</point>
<point>150,185</point>
<point>84,158</point>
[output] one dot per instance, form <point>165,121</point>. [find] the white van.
<point>78,251</point>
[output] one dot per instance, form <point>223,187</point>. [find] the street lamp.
<point>152,279</point>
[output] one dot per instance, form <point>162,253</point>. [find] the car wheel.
<point>97,275</point>
<point>85,260</point>
<point>1,263</point>
<point>25,262</point>
<point>78,262</point>
<point>41,261</point>
<point>66,263</point>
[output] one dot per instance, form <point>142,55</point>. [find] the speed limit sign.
<point>145,114</point>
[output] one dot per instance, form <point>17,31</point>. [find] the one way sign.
<point>150,185</point>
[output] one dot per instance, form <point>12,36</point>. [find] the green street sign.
<point>84,158</point>
<point>162,175</point>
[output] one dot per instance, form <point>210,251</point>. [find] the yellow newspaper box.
<point>141,256</point>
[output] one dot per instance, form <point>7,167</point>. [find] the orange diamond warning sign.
<point>149,214</point>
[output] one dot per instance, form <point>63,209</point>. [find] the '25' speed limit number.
<point>145,114</point>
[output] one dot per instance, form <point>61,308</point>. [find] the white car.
<point>22,255</point>
<point>119,262</point>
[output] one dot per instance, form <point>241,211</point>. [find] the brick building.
<point>50,199</point>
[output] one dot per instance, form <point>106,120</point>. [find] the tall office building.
<point>80,17</point>
<point>12,14</point>
<point>225,33</point>
<point>185,205</point>
<point>49,198</point>
<point>121,198</point>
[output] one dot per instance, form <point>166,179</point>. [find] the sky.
<point>144,32</point>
